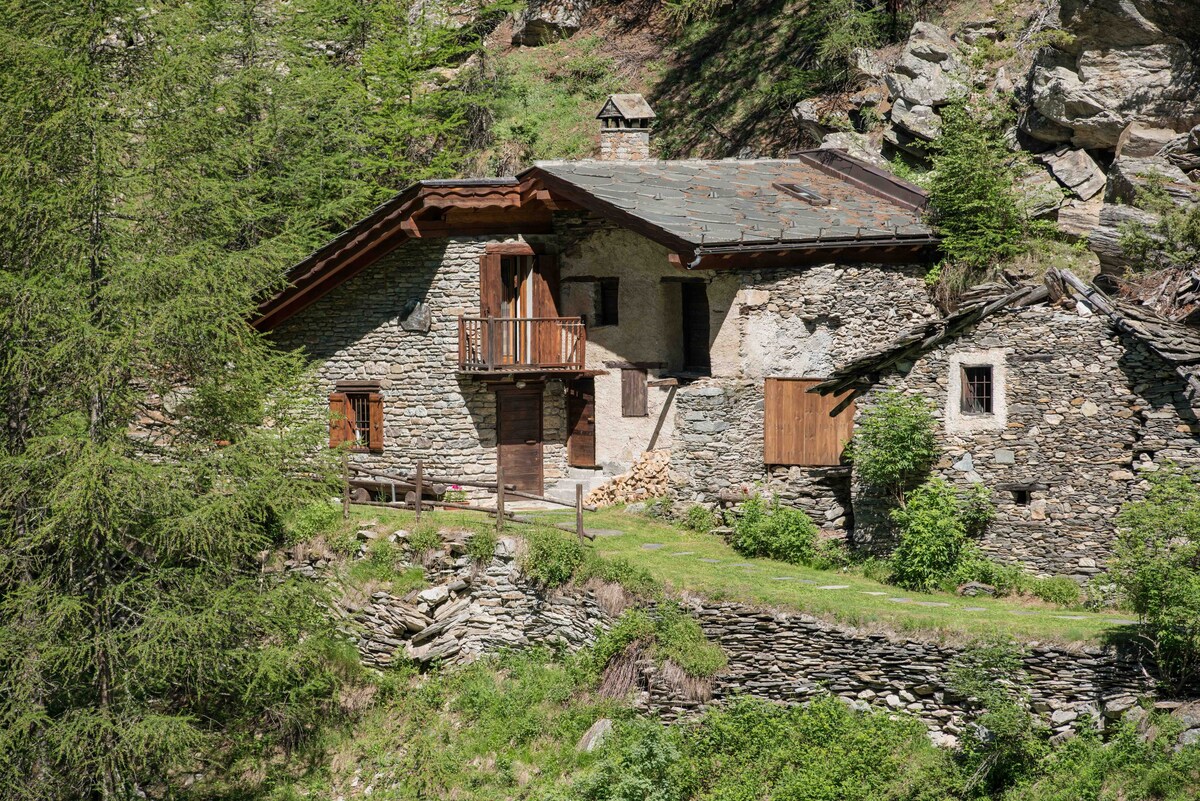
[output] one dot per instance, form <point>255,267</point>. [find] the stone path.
<point>652,546</point>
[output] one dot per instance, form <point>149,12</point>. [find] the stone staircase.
<point>564,488</point>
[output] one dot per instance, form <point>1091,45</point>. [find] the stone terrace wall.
<point>792,657</point>
<point>776,655</point>
<point>797,322</point>
<point>1089,412</point>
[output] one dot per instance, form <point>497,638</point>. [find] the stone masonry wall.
<point>777,655</point>
<point>430,412</point>
<point>793,322</point>
<point>1086,413</point>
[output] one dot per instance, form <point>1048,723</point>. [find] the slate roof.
<point>737,202</point>
<point>1176,344</point>
<point>631,107</point>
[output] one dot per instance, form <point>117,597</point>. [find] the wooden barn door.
<point>519,436</point>
<point>695,327</point>
<point>581,423</point>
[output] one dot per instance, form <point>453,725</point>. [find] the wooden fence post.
<point>579,511</point>
<point>345,486</point>
<point>499,497</point>
<point>420,476</point>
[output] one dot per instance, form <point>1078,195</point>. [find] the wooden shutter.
<point>633,392</point>
<point>375,407</point>
<point>797,426</point>
<point>341,427</point>
<point>491,288</point>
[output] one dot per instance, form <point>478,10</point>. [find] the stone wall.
<point>777,655</point>
<point>792,657</point>
<point>1085,414</point>
<point>794,322</point>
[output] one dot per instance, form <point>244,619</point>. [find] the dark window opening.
<point>360,417</point>
<point>607,294</point>
<point>356,416</point>
<point>1021,497</point>
<point>977,389</point>
<point>695,328</point>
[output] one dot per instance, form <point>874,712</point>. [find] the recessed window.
<point>356,416</point>
<point>1021,497</point>
<point>977,389</point>
<point>606,295</point>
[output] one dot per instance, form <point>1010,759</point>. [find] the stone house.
<point>558,323</point>
<point>1057,398</point>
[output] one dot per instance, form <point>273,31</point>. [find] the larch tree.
<point>161,163</point>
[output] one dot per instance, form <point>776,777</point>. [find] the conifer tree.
<point>161,164</point>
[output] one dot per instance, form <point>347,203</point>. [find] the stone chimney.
<point>625,128</point>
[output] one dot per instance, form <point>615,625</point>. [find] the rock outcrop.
<point>545,21</point>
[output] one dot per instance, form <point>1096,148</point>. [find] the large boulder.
<point>857,145</point>
<point>1125,62</point>
<point>1075,170</point>
<point>1128,176</point>
<point>930,71</point>
<point>917,119</point>
<point>546,21</point>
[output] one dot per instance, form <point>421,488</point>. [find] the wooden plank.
<point>375,421</point>
<point>803,428</point>
<point>581,423</point>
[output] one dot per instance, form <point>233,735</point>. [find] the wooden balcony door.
<point>581,423</point>
<point>521,289</point>
<point>519,436</point>
<point>516,274</point>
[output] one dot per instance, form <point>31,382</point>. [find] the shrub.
<point>877,569</point>
<point>974,566</point>
<point>894,444</point>
<point>679,638</point>
<point>635,580</point>
<point>932,537</point>
<point>1060,590</point>
<point>1157,569</point>
<point>481,546</point>
<point>831,554</point>
<point>308,521</point>
<point>976,510</point>
<point>424,539</point>
<point>342,543</point>
<point>1173,241</point>
<point>551,558</point>
<point>699,518</point>
<point>778,532</point>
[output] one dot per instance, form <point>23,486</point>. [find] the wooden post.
<point>345,486</point>
<point>419,482</point>
<point>579,511</point>
<point>499,496</point>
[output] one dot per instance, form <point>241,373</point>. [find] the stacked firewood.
<point>647,479</point>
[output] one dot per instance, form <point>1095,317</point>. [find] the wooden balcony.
<point>521,344</point>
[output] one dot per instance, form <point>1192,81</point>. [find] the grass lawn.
<point>705,565</point>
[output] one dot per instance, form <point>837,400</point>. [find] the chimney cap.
<point>626,107</point>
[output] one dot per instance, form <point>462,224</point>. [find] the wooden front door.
<point>581,423</point>
<point>519,437</point>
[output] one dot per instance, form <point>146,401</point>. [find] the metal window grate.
<point>977,389</point>
<point>360,411</point>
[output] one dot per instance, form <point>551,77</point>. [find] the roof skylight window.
<point>803,193</point>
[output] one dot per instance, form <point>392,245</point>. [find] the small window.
<point>356,416</point>
<point>633,392</point>
<point>606,294</point>
<point>1020,497</point>
<point>804,193</point>
<point>977,389</point>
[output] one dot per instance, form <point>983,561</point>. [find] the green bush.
<point>671,634</point>
<point>551,557</point>
<point>932,537</point>
<point>876,569</point>
<point>308,521</point>
<point>1157,569</point>
<point>976,510</point>
<point>699,518</point>
<point>1060,590</point>
<point>974,566</point>
<point>894,444</point>
<point>831,554</point>
<point>636,580</point>
<point>342,543</point>
<point>775,531</point>
<point>481,546</point>
<point>424,539</point>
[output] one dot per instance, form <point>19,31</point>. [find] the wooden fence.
<point>411,491</point>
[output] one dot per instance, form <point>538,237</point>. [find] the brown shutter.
<point>633,392</point>
<point>491,289</point>
<point>547,336</point>
<point>375,408</point>
<point>340,428</point>
<point>797,426</point>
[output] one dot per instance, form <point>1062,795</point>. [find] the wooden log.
<point>417,492</point>
<point>579,511</point>
<point>531,497</point>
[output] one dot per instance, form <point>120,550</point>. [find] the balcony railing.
<point>520,344</point>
